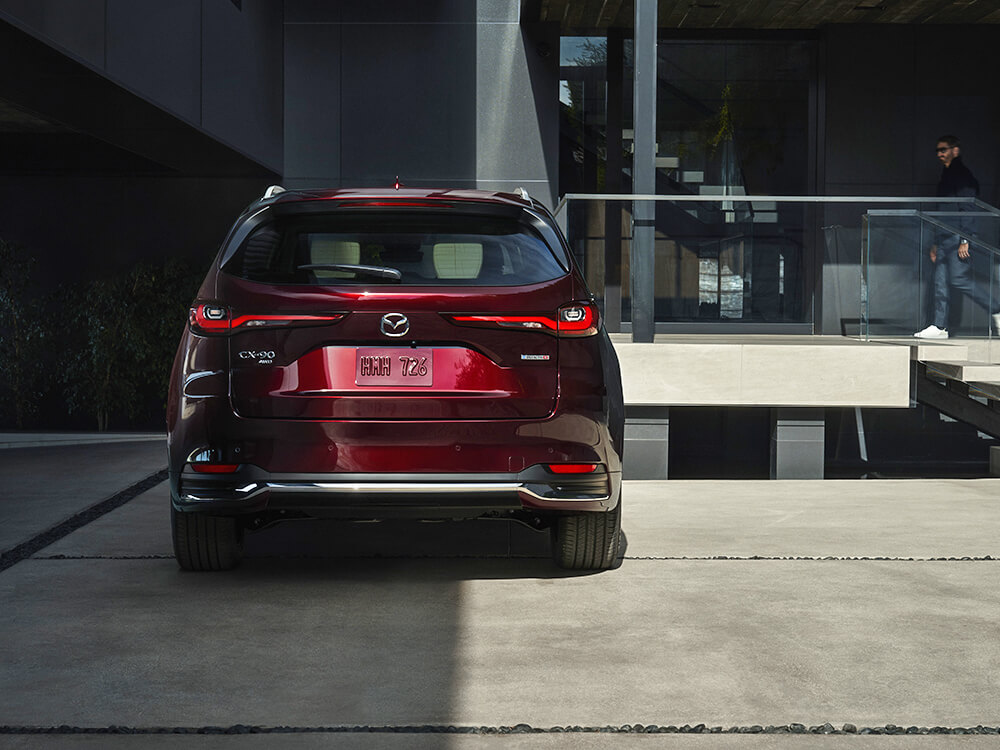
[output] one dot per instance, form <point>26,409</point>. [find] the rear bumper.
<point>252,491</point>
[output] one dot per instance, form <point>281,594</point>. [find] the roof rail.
<point>272,191</point>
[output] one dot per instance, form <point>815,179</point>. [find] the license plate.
<point>394,367</point>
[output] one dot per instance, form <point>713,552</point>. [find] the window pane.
<point>348,249</point>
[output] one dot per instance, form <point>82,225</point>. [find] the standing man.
<point>950,255</point>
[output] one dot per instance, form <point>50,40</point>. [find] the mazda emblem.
<point>394,325</point>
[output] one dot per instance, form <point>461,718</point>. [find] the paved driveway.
<point>739,605</point>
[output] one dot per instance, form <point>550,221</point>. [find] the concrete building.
<point>137,129</point>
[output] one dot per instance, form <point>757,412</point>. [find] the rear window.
<point>415,250</point>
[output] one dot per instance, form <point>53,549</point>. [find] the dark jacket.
<point>958,182</point>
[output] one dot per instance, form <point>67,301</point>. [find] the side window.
<point>259,252</point>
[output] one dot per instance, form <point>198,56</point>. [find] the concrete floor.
<point>737,604</point>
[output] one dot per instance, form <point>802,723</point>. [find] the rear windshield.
<point>416,250</point>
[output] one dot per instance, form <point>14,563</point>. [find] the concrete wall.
<point>159,123</point>
<point>517,143</point>
<point>209,63</point>
<point>448,93</point>
<point>380,89</point>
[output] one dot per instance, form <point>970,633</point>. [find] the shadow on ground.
<point>504,548</point>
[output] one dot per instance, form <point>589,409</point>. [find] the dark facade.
<point>158,104</point>
<point>136,129</point>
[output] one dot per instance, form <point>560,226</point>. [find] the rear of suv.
<point>401,353</point>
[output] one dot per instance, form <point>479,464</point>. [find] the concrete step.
<point>966,371</point>
<point>939,351</point>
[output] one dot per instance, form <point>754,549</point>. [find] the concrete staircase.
<point>960,378</point>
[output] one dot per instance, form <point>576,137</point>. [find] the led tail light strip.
<point>211,318</point>
<point>576,319</point>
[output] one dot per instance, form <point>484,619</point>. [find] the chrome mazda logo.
<point>395,325</point>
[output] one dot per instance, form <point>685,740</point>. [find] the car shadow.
<point>461,550</point>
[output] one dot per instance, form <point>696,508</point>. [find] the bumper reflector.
<point>215,468</point>
<point>572,468</point>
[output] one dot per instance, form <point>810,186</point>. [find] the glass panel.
<point>717,260</point>
<point>876,277</point>
<point>583,114</point>
<point>582,50</point>
<point>732,119</point>
<point>917,275</point>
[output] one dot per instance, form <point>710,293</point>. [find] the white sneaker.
<point>996,323</point>
<point>933,332</point>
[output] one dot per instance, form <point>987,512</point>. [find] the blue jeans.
<point>952,272</point>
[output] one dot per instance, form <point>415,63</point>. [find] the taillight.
<point>576,319</point>
<point>572,468</point>
<point>213,318</point>
<point>209,318</point>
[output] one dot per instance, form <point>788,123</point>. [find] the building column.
<point>615,73</point>
<point>995,460</point>
<point>647,440</point>
<point>797,443</point>
<point>642,285</point>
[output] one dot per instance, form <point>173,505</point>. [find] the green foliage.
<point>22,336</point>
<point>722,126</point>
<point>125,330</point>
<point>111,341</point>
<point>594,53</point>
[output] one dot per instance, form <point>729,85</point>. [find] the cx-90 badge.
<point>394,325</point>
<point>263,358</point>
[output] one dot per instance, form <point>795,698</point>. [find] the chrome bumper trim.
<point>253,489</point>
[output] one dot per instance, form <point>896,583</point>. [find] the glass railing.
<point>913,273</point>
<point>761,264</point>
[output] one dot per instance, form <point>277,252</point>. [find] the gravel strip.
<point>887,729</point>
<point>846,558</point>
<point>714,558</point>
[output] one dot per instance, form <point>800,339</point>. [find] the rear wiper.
<point>374,272</point>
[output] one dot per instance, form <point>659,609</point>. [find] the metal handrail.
<point>686,198</point>
<point>929,218</point>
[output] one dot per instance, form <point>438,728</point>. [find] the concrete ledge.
<point>52,439</point>
<point>772,371</point>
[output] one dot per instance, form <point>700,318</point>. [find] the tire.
<point>587,541</point>
<point>204,542</point>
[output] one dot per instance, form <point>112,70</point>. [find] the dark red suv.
<point>375,354</point>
